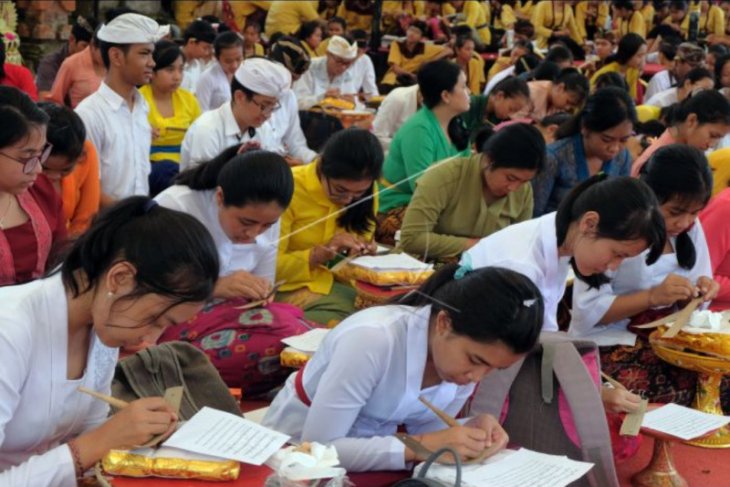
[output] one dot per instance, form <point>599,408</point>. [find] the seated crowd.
<point>152,187</point>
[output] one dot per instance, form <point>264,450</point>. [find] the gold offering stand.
<point>710,370</point>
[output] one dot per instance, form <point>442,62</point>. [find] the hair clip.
<point>527,303</point>
<point>464,268</point>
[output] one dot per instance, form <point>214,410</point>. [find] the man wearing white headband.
<point>329,76</point>
<point>255,91</point>
<point>115,115</point>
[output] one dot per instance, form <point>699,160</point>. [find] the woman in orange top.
<point>72,167</point>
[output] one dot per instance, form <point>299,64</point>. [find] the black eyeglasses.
<point>266,109</point>
<point>342,194</point>
<point>31,163</point>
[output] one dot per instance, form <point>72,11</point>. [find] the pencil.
<point>113,401</point>
<point>613,381</point>
<point>451,422</point>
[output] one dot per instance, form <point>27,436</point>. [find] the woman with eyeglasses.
<point>72,167</point>
<point>32,222</point>
<point>332,215</point>
<point>257,89</point>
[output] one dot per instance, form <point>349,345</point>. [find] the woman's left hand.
<point>496,435</point>
<point>708,287</point>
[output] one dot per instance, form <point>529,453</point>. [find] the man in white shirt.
<point>197,47</point>
<point>329,76</point>
<point>257,87</point>
<point>399,105</point>
<point>115,115</point>
<point>688,56</point>
<point>363,70</point>
<point>292,144</point>
<point>696,80</point>
<point>214,85</point>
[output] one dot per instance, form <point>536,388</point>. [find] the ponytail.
<point>680,172</point>
<point>255,176</point>
<point>627,209</point>
<point>486,305</point>
<point>172,252</point>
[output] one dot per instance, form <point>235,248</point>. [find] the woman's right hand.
<point>468,442</point>
<point>132,426</point>
<point>242,284</point>
<point>348,243</point>
<point>674,288</point>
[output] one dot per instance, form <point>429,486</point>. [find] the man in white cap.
<point>115,115</point>
<point>256,88</point>
<point>329,76</point>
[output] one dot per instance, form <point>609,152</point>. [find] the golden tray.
<point>707,399</point>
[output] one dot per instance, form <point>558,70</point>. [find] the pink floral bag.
<point>244,345</point>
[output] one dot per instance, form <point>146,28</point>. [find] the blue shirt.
<point>565,167</point>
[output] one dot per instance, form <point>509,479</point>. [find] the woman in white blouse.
<point>139,269</point>
<point>638,292</point>
<point>435,343</point>
<point>239,198</point>
<point>599,224</point>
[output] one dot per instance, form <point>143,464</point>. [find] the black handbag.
<point>421,481</point>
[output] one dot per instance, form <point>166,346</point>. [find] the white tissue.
<point>320,463</point>
<point>706,319</point>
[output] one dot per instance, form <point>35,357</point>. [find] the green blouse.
<point>448,208</point>
<point>418,144</point>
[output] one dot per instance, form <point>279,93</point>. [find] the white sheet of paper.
<point>391,261</point>
<point>610,335</point>
<point>683,422</point>
<point>225,435</point>
<point>525,467</point>
<point>307,342</point>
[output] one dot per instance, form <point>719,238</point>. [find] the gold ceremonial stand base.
<point>661,471</point>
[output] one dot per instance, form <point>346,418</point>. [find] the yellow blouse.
<point>648,12</point>
<point>635,23</point>
<point>581,16</point>
<point>632,77</point>
<point>502,63</point>
<point>171,130</point>
<point>506,19</point>
<point>424,53</point>
<point>312,52</point>
<point>475,79</point>
<point>287,17</point>
<point>475,15</point>
<point>258,50</point>
<point>550,15</point>
<point>525,7</point>
<point>355,20</point>
<point>710,22</point>
<point>242,9</point>
<point>310,220</point>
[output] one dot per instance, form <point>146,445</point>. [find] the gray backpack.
<point>533,418</point>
